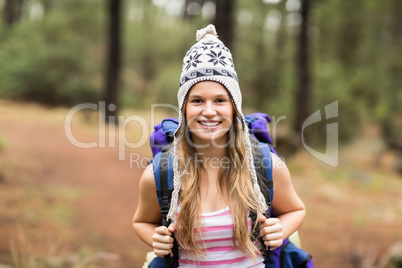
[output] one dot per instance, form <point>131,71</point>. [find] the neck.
<point>210,154</point>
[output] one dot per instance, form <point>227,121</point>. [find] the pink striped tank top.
<point>218,245</point>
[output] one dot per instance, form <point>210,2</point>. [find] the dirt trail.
<point>38,153</point>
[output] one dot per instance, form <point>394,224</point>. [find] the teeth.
<point>209,124</point>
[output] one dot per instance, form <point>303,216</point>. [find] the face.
<point>209,112</point>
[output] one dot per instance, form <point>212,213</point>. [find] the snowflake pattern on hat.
<point>192,61</point>
<point>217,58</point>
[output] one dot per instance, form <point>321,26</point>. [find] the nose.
<point>209,110</point>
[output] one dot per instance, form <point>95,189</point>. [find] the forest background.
<point>292,57</point>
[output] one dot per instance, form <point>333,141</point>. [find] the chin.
<point>209,138</point>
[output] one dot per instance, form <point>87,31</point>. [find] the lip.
<point>209,121</point>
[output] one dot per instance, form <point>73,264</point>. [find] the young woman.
<point>214,173</point>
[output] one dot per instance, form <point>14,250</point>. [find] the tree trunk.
<point>12,11</point>
<point>303,94</point>
<point>224,21</point>
<point>113,64</point>
<point>280,45</point>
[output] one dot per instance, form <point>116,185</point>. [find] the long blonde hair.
<point>234,183</point>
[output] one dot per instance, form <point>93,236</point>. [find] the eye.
<point>196,101</point>
<point>221,100</point>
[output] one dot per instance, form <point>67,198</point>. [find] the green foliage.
<point>155,45</point>
<point>356,61</point>
<point>46,61</point>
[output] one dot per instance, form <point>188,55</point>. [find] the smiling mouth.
<point>209,123</point>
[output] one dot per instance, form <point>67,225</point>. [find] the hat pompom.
<point>210,29</point>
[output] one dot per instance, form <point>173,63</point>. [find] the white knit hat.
<point>209,59</point>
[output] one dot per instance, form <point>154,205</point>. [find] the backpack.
<point>287,255</point>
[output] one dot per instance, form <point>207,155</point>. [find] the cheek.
<point>190,113</point>
<point>191,116</point>
<point>229,113</point>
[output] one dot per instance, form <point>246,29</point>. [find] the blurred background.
<point>66,206</point>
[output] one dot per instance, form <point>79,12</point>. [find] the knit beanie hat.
<point>209,59</point>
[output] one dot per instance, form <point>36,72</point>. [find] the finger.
<point>261,219</point>
<point>269,222</point>
<point>270,230</point>
<point>162,230</point>
<point>162,246</point>
<point>273,243</point>
<point>272,237</point>
<point>172,227</point>
<point>162,253</point>
<point>166,239</point>
<point>272,221</point>
<point>162,249</point>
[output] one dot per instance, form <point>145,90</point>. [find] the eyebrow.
<point>196,96</point>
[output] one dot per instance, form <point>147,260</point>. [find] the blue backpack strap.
<point>163,173</point>
<point>266,150</point>
<point>163,188</point>
<point>263,167</point>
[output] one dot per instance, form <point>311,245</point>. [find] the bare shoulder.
<point>285,196</point>
<point>147,181</point>
<point>280,171</point>
<point>148,208</point>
